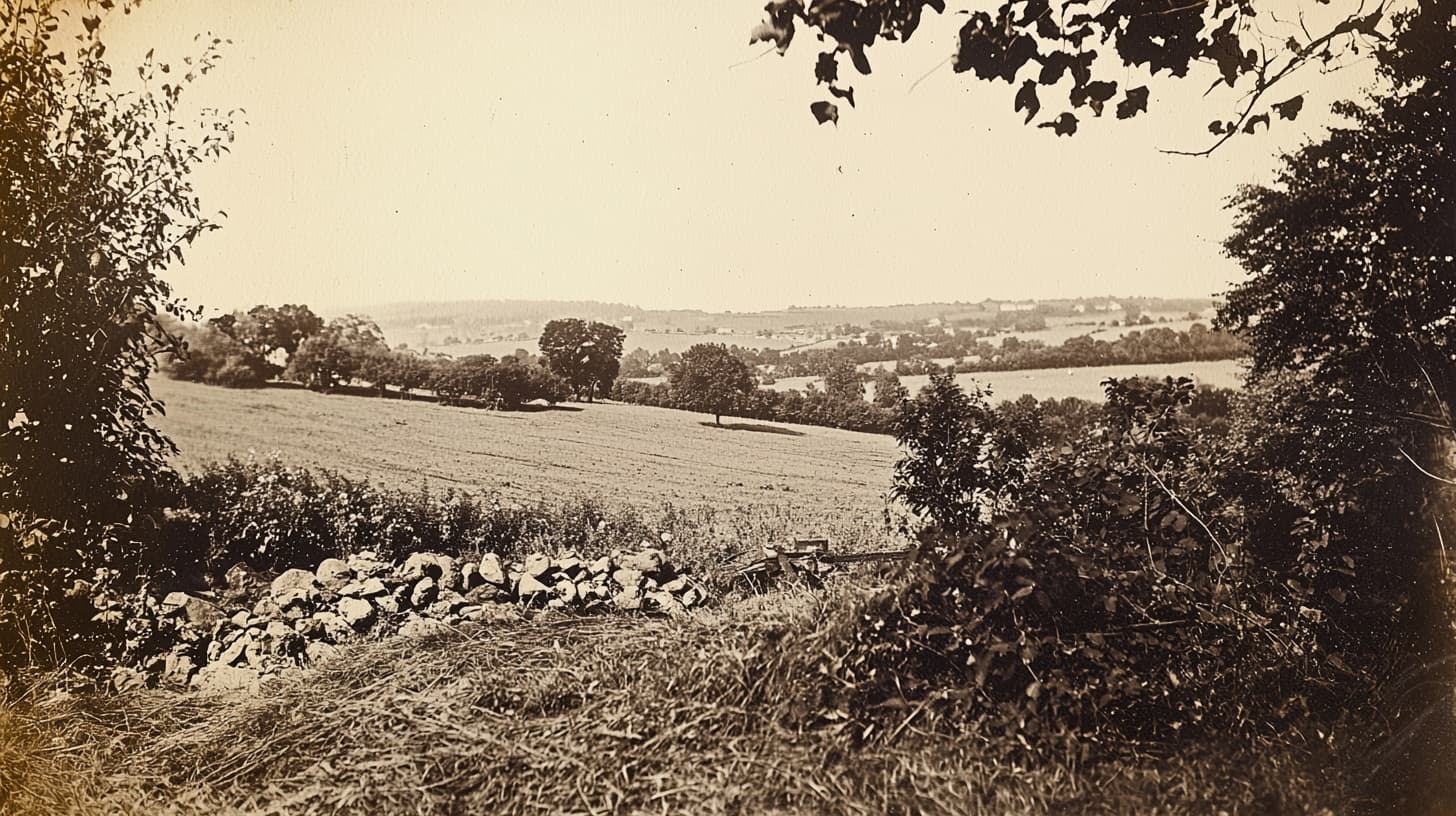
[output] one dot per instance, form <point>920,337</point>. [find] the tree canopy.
<point>1099,55</point>
<point>711,379</point>
<point>585,354</point>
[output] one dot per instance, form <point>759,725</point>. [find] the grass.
<point>573,715</point>
<point>644,457</point>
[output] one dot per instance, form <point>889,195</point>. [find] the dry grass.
<point>646,457</point>
<point>601,715</point>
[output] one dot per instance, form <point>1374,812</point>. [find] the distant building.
<point>1018,307</point>
<point>723,331</point>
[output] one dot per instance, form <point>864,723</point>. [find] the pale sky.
<point>620,152</point>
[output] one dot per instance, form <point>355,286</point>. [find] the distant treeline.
<point>912,352</point>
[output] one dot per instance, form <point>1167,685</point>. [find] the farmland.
<point>642,456</point>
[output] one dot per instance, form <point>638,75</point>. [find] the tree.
<point>1038,44</point>
<point>710,379</point>
<point>889,391</point>
<point>842,380</point>
<point>97,202</point>
<point>271,328</point>
<point>947,436</point>
<point>586,355</point>
<point>337,354</point>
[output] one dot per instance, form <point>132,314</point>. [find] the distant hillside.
<point>498,326</point>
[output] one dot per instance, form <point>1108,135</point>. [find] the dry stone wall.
<point>255,627</point>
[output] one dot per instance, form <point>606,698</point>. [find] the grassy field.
<point>642,456</point>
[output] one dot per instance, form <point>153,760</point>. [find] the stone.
<point>537,565</point>
<point>234,650</point>
<point>419,565</point>
<point>291,582</point>
<point>178,670</point>
<point>529,587</point>
<point>356,612</point>
<point>486,593</point>
<point>666,538</point>
<point>649,560</point>
<point>266,608</point>
<point>424,592</point>
<point>366,564</point>
<point>491,571</point>
<point>566,591</point>
<point>470,576</point>
<point>472,612</point>
<point>676,585</point>
<point>351,590</point>
<point>278,630</point>
<point>318,651</point>
<point>629,599</point>
<point>601,566</point>
<point>389,604</point>
<point>193,609</point>
<point>335,628</point>
<point>333,573</point>
<point>691,597</point>
<point>416,626</point>
<point>217,678</point>
<point>627,577</point>
<point>241,618</point>
<point>373,588</point>
<point>567,563</point>
<point>667,603</point>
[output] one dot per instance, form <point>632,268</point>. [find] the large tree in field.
<point>711,379</point>
<point>96,202</point>
<point>586,354</point>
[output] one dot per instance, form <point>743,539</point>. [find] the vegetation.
<point>586,355</point>
<point>711,379</point>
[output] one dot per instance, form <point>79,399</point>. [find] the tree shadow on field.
<point>749,426</point>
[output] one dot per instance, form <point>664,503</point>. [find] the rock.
<point>194,609</point>
<point>424,592</point>
<point>566,591</point>
<point>472,612</point>
<point>666,538</point>
<point>373,588</point>
<point>649,560</point>
<point>334,573</point>
<point>537,565</point>
<point>335,628</point>
<point>529,587</point>
<point>601,566</point>
<point>469,576</point>
<point>292,582</point>
<point>419,565</point>
<point>417,626</point>
<point>178,670</point>
<point>318,651</point>
<point>491,571</point>
<point>389,604</point>
<point>356,612</point>
<point>366,564</point>
<point>309,628</point>
<point>626,577</point>
<point>266,608</point>
<point>241,618</point>
<point>629,599</point>
<point>567,563</point>
<point>486,593</point>
<point>666,602</point>
<point>278,630</point>
<point>217,677</point>
<point>234,650</point>
<point>691,597</point>
<point>676,585</point>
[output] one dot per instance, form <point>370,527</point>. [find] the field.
<point>642,456</point>
<point>653,341</point>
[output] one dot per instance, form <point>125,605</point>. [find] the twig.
<point>1423,470</point>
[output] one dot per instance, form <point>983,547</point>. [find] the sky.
<point>642,151</point>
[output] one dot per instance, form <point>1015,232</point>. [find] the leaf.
<point>1133,103</point>
<point>1256,119</point>
<point>843,93</point>
<point>1064,125</point>
<point>1026,98</point>
<point>91,24</point>
<point>826,70</point>
<point>1289,108</point>
<point>825,112</point>
<point>1216,126</point>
